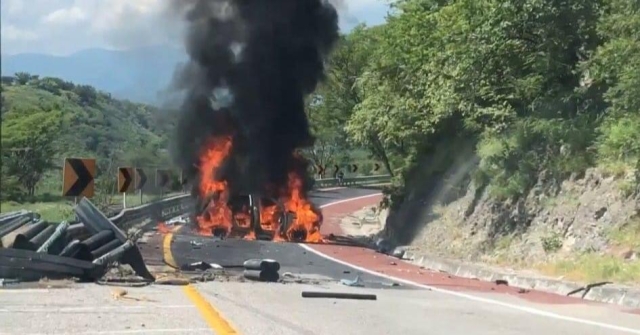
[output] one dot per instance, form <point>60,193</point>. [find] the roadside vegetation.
<point>534,88</point>
<point>45,120</point>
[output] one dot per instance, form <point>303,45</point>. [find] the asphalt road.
<point>228,307</point>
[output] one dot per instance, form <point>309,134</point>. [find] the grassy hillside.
<point>57,119</point>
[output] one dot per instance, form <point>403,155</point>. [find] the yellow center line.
<point>212,316</point>
<point>166,248</point>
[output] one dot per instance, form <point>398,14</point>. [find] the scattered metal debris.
<point>289,275</point>
<point>502,282</point>
<point>353,283</point>
<point>200,266</point>
<point>585,289</point>
<point>398,253</point>
<point>336,295</point>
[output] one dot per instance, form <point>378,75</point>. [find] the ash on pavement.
<point>303,266</point>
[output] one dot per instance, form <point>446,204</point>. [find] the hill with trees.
<point>496,108</point>
<point>47,119</point>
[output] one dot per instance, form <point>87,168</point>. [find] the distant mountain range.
<point>136,74</point>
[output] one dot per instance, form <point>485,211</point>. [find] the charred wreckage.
<point>255,217</point>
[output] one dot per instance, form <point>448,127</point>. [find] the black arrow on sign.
<point>127,180</point>
<point>377,167</point>
<point>84,178</point>
<point>353,168</point>
<point>321,169</point>
<point>142,178</point>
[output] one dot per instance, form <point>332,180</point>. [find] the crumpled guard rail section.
<point>32,249</point>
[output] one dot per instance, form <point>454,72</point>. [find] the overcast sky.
<point>62,27</point>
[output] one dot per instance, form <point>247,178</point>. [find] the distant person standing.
<point>340,177</point>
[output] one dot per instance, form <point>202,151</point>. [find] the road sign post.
<point>125,182</point>
<point>78,177</point>
<point>183,181</point>
<point>141,180</point>
<point>162,179</point>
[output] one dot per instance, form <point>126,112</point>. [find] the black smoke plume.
<point>252,62</point>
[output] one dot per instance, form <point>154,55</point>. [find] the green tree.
<point>22,78</point>
<point>616,64</point>
<point>28,145</point>
<point>332,105</point>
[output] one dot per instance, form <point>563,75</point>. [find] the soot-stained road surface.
<point>188,247</point>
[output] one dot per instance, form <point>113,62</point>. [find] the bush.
<point>618,144</point>
<point>511,161</point>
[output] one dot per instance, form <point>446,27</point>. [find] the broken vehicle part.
<point>257,275</point>
<point>262,264</point>
<point>335,295</point>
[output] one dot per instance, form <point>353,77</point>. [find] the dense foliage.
<point>531,86</point>
<point>45,120</point>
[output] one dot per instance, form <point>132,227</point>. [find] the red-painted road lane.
<point>391,266</point>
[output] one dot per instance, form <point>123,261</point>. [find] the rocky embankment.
<point>580,232</point>
<point>586,216</point>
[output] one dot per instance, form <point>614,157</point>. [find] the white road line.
<point>131,331</point>
<point>330,189</point>
<point>26,290</point>
<point>91,308</point>
<point>350,199</point>
<point>529,310</point>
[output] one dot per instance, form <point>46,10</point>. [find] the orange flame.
<point>268,218</point>
<point>163,228</point>
<point>306,220</point>
<point>218,215</point>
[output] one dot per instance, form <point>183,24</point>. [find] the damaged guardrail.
<point>354,181</point>
<point>161,210</point>
<point>33,249</point>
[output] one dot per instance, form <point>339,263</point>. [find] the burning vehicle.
<point>242,117</point>
<point>255,217</point>
<point>286,215</point>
